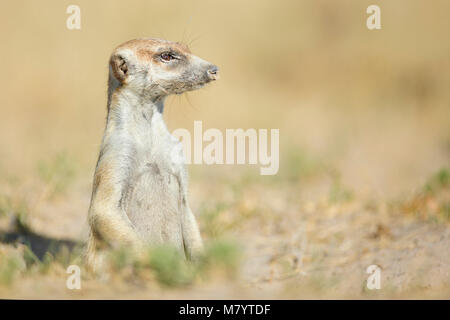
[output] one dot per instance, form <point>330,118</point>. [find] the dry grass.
<point>364,123</point>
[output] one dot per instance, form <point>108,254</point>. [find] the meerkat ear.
<point>119,67</point>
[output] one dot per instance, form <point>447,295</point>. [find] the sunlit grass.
<point>11,264</point>
<point>432,201</point>
<point>57,173</point>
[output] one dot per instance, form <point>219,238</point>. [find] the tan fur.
<point>139,195</point>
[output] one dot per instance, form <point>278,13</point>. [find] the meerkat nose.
<point>213,73</point>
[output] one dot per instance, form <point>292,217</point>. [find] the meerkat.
<point>139,195</point>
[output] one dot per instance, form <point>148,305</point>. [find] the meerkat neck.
<point>159,104</point>
<point>127,111</point>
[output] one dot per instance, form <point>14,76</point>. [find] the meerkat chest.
<point>166,150</point>
<point>154,196</point>
<point>157,146</point>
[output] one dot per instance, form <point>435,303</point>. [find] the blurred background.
<point>364,119</point>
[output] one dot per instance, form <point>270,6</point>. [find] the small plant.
<point>10,266</point>
<point>338,193</point>
<point>29,257</point>
<point>4,205</point>
<point>47,260</point>
<point>446,210</point>
<point>17,208</point>
<point>170,266</point>
<point>66,256</point>
<point>299,165</point>
<point>440,180</point>
<point>210,220</point>
<point>221,254</point>
<point>57,173</point>
<point>432,201</point>
<point>121,258</point>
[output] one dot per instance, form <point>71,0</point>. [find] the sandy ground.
<point>364,123</point>
<point>312,237</point>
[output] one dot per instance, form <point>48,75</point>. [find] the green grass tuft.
<point>222,254</point>
<point>10,266</point>
<point>438,181</point>
<point>121,258</point>
<point>211,224</point>
<point>58,173</point>
<point>170,266</point>
<point>338,192</point>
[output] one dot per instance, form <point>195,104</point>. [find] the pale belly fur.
<point>153,205</point>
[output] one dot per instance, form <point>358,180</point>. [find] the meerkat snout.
<point>213,73</point>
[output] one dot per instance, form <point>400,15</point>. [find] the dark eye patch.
<point>169,55</point>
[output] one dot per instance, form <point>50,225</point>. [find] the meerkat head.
<point>155,68</point>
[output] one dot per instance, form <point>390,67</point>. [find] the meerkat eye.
<point>167,56</point>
